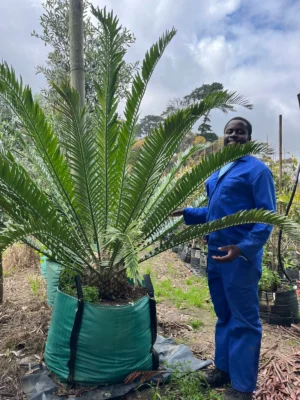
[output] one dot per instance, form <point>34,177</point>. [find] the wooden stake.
<point>280,153</point>
<point>267,351</point>
<point>76,48</point>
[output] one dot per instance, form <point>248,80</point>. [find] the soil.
<point>24,322</point>
<point>134,294</point>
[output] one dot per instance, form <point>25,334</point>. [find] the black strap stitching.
<point>75,332</point>
<point>153,320</point>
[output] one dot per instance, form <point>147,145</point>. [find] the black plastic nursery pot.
<point>95,344</point>
<point>198,261</point>
<point>293,274</point>
<point>186,254</point>
<point>183,252</point>
<point>279,308</point>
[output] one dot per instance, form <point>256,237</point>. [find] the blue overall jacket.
<point>247,184</point>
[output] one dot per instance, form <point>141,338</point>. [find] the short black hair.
<point>249,126</point>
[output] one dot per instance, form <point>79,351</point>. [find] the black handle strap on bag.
<point>75,332</point>
<point>153,319</point>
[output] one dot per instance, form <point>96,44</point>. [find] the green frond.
<point>239,218</point>
<point>128,247</point>
<point>190,181</point>
<point>21,190</point>
<point>158,149</point>
<point>131,113</point>
<point>20,99</point>
<point>78,140</point>
<point>169,181</point>
<point>107,125</point>
<point>235,99</point>
<point>44,141</point>
<point>54,234</point>
<point>171,225</point>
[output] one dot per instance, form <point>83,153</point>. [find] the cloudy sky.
<point>251,46</point>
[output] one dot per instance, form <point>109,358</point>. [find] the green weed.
<point>149,249</point>
<point>196,324</point>
<point>171,269</point>
<point>90,293</point>
<point>35,283</point>
<point>9,272</point>
<point>147,270</point>
<point>182,340</point>
<point>293,343</point>
<point>195,294</point>
<point>186,385</point>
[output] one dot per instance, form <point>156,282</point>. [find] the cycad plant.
<point>96,215</point>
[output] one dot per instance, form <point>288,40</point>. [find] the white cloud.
<point>250,46</point>
<point>213,54</point>
<point>220,8</point>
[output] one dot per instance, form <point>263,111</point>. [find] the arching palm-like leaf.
<point>79,143</point>
<point>108,128</point>
<point>131,113</point>
<point>44,140</point>
<point>158,150</point>
<point>169,180</point>
<point>190,181</point>
<point>239,218</point>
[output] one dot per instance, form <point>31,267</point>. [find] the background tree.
<point>199,140</point>
<point>150,122</point>
<point>55,24</point>
<point>199,94</point>
<point>146,125</point>
<point>135,151</point>
<point>173,106</point>
<point>209,135</point>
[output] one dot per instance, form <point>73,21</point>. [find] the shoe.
<point>232,394</point>
<point>215,378</point>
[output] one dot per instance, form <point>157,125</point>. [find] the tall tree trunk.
<point>1,279</point>
<point>203,123</point>
<point>76,48</point>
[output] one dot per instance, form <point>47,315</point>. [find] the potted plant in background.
<point>278,297</point>
<point>99,215</point>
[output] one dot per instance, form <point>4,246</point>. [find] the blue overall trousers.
<point>246,184</point>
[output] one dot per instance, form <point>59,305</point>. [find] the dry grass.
<point>21,329</point>
<point>24,317</point>
<point>19,256</point>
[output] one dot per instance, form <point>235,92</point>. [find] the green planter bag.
<point>113,341</point>
<point>43,262</point>
<point>53,271</point>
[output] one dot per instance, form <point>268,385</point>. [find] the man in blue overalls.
<point>234,263</point>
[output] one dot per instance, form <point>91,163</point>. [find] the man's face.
<point>236,132</point>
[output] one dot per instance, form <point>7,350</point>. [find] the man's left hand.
<point>233,252</point>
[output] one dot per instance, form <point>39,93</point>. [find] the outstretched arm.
<point>194,216</point>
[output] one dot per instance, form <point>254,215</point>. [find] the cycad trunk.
<point>112,284</point>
